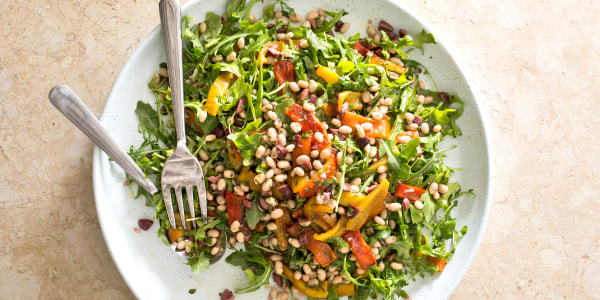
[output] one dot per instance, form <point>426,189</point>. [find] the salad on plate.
<point>320,150</point>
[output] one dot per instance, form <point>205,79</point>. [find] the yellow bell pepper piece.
<point>352,98</point>
<point>262,54</point>
<point>348,198</point>
<point>327,74</point>
<point>298,182</point>
<point>371,205</point>
<point>337,230</point>
<point>319,291</point>
<point>218,89</point>
<point>388,65</point>
<point>314,207</point>
<point>233,156</point>
<point>379,163</point>
<point>247,176</point>
<point>345,289</point>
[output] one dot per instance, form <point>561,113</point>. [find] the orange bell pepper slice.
<point>303,148</point>
<point>413,134</point>
<point>388,65</point>
<point>218,88</point>
<point>410,192</point>
<point>309,122</point>
<point>360,249</point>
<point>315,292</point>
<point>381,128</point>
<point>322,252</point>
<point>438,262</point>
<point>313,185</point>
<point>282,224</point>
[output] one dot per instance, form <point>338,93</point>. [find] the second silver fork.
<point>182,169</point>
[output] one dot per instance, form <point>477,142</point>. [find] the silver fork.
<point>182,169</point>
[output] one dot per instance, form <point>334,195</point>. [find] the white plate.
<point>153,271</point>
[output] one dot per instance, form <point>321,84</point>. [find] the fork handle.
<point>67,102</point>
<point>170,20</point>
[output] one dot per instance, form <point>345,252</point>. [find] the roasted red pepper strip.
<point>284,72</point>
<point>381,128</point>
<point>235,207</point>
<point>361,49</point>
<point>294,229</point>
<point>360,249</point>
<point>309,122</point>
<point>314,184</point>
<point>410,192</point>
<point>322,252</point>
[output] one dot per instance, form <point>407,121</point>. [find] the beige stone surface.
<point>535,67</point>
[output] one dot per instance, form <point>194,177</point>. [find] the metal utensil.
<point>70,105</point>
<point>182,169</point>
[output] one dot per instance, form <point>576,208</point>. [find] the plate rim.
<point>486,199</point>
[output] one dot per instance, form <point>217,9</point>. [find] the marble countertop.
<point>536,71</point>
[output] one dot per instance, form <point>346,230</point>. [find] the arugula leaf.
<point>441,116</point>
<point>428,207</point>
<point>253,215</point>
<point>199,263</point>
<point>191,36</point>
<point>337,242</point>
<point>345,66</point>
<point>398,168</point>
<point>258,269</point>
<point>416,215</point>
<point>409,151</point>
<point>237,258</point>
<point>246,144</point>
<point>244,14</point>
<point>424,38</point>
<point>402,249</point>
<point>150,123</point>
<point>328,25</point>
<point>233,6</point>
<point>254,45</point>
<point>213,26</point>
<point>317,43</point>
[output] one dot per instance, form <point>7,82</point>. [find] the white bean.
<point>345,129</point>
<point>360,131</point>
<point>371,31</point>
<point>345,27</point>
